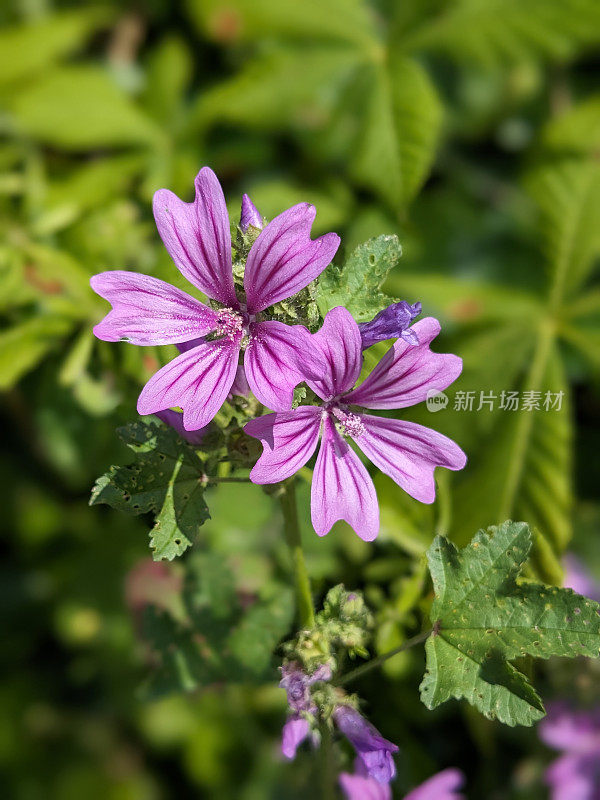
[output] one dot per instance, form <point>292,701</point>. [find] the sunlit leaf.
<point>484,619</point>
<point>166,478</point>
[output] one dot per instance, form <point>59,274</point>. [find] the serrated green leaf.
<point>568,196</point>
<point>357,284</point>
<point>166,478</point>
<point>484,619</point>
<point>305,80</point>
<point>400,129</point>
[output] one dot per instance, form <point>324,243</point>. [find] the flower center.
<point>230,323</point>
<point>352,425</point>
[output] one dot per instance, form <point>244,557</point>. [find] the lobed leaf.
<point>484,618</point>
<point>357,284</point>
<point>167,479</point>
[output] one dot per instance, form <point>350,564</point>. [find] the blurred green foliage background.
<point>471,128</point>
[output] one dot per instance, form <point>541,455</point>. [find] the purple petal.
<point>342,488</point>
<point>250,215</point>
<point>443,786</point>
<point>295,731</point>
<point>357,787</point>
<point>374,752</point>
<point>391,323</point>
<point>284,259</point>
<point>278,358</point>
<point>175,420</point>
<point>340,352</point>
<point>578,578</point>
<point>289,440</point>
<point>408,453</point>
<point>405,374</point>
<point>198,237</point>
<point>198,381</point>
<point>565,729</point>
<point>149,311</point>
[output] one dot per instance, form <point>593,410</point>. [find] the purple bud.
<point>250,215</point>
<point>296,684</point>
<point>240,386</point>
<point>391,323</point>
<point>322,673</point>
<point>373,751</point>
<point>175,420</point>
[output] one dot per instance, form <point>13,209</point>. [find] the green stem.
<point>376,662</point>
<point>292,534</point>
<point>328,771</point>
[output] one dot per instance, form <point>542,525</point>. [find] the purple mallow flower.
<point>407,452</point>
<point>391,323</point>
<point>297,684</point>
<point>443,786</point>
<point>374,753</point>
<point>148,311</point>
<point>576,774</point>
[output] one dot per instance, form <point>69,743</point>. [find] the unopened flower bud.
<point>250,215</point>
<point>391,323</point>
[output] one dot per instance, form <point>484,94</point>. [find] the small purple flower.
<point>374,753</point>
<point>250,215</point>
<point>578,578</point>
<point>295,731</point>
<point>391,323</point>
<point>443,786</point>
<point>297,684</point>
<point>407,452</point>
<point>576,774</point>
<point>147,311</point>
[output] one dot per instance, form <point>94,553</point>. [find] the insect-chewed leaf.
<point>483,619</point>
<point>357,284</point>
<point>166,478</point>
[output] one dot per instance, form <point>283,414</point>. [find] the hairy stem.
<point>377,662</point>
<point>306,611</point>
